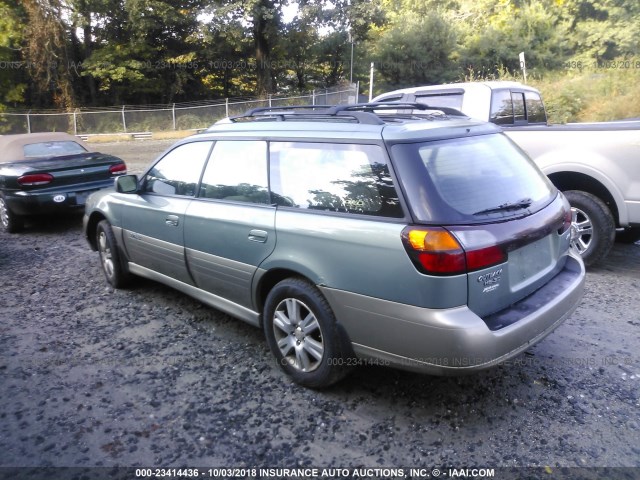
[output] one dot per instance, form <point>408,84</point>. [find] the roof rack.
<point>374,113</point>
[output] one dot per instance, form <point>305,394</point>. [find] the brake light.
<point>485,257</point>
<point>35,179</point>
<point>118,169</point>
<point>436,251</point>
<point>568,220</point>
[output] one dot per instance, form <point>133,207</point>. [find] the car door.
<point>153,220</point>
<point>229,229</point>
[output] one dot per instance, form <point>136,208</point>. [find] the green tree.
<point>603,29</point>
<point>12,76</point>
<point>45,50</point>
<point>492,42</point>
<point>141,51</point>
<point>416,50</point>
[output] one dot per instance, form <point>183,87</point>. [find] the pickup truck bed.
<point>596,165</point>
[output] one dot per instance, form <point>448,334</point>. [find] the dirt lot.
<point>149,377</point>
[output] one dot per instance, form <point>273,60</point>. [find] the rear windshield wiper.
<point>520,204</point>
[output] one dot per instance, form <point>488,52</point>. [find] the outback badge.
<point>490,280</point>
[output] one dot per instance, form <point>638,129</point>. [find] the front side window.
<point>470,180</point>
<point>178,172</point>
<point>345,178</point>
<point>237,171</point>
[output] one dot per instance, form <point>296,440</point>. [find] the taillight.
<point>35,179</point>
<point>436,251</point>
<point>118,169</point>
<point>568,220</point>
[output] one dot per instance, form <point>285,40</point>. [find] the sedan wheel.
<point>9,221</point>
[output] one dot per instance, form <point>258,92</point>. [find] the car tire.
<point>595,226</point>
<point>9,221</point>
<point>628,235</point>
<point>112,266</point>
<point>303,334</point>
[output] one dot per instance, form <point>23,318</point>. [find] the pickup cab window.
<point>501,108</point>
<point>535,108</point>
<point>518,107</point>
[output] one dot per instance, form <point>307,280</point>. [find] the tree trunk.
<point>264,14</point>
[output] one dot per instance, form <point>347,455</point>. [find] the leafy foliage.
<point>110,52</point>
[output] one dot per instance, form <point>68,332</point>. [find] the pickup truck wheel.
<point>302,334</point>
<point>629,235</point>
<point>595,226</point>
<point>9,221</point>
<point>112,267</point>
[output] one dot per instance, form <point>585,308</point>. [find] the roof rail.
<point>374,113</point>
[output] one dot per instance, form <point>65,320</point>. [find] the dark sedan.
<point>46,173</point>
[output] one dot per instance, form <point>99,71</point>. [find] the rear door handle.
<point>172,220</point>
<point>258,236</point>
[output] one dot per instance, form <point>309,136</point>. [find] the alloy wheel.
<point>298,335</point>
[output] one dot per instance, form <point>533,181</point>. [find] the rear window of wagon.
<point>450,181</point>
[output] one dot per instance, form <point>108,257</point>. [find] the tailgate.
<point>537,248</point>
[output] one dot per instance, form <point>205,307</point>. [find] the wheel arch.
<point>92,227</point>
<point>579,181</point>
<point>270,279</point>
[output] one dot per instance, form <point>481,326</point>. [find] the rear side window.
<point>237,171</point>
<point>518,106</point>
<point>343,178</point>
<point>451,100</point>
<point>501,108</point>
<point>466,180</point>
<point>53,149</point>
<point>535,108</point>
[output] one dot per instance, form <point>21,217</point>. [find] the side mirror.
<point>127,184</point>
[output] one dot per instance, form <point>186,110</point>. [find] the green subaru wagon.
<point>391,234</point>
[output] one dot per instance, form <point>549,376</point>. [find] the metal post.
<point>269,96</point>
<point>371,82</point>
<point>173,114</point>
<point>523,66</point>
<point>75,122</point>
<point>124,121</point>
<point>28,122</point>
<point>313,97</point>
<point>226,106</point>
<point>351,64</point>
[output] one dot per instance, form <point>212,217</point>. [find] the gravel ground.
<point>90,376</point>
<point>137,154</point>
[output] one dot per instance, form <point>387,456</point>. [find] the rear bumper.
<point>65,199</point>
<point>455,341</point>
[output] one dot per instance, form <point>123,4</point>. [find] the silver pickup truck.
<point>596,165</point>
